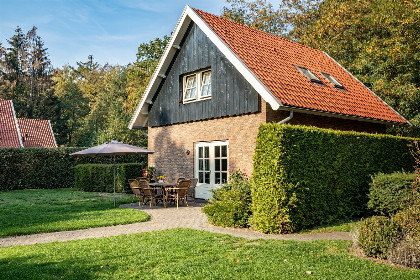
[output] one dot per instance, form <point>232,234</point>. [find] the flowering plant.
<point>148,172</point>
<point>161,177</point>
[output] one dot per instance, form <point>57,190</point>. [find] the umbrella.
<point>112,148</point>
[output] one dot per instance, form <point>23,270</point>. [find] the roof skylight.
<point>332,80</point>
<point>308,74</point>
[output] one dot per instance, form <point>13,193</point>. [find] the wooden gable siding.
<point>231,93</point>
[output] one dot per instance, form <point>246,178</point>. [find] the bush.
<point>408,220</point>
<point>230,205</point>
<point>390,193</point>
<point>100,177</point>
<point>376,236</point>
<point>406,251</point>
<point>307,176</point>
<point>45,168</point>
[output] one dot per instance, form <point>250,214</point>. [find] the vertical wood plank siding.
<point>231,93</point>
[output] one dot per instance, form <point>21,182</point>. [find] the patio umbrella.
<point>112,148</point>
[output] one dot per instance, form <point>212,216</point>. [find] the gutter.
<point>287,119</point>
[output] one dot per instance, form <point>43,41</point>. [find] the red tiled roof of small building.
<point>36,133</point>
<point>273,59</point>
<point>9,133</point>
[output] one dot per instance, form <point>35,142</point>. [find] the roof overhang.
<point>140,117</point>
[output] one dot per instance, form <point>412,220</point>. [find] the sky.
<point>111,31</point>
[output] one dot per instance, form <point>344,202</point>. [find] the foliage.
<point>230,205</point>
<point>100,177</point>
<point>149,172</point>
<point>191,254</point>
<point>389,193</point>
<point>406,251</point>
<point>376,236</point>
<point>376,40</point>
<point>46,168</point>
<point>307,176</point>
<point>35,211</point>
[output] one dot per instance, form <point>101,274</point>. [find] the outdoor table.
<point>165,188</point>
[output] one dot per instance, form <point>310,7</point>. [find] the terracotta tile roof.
<point>273,59</point>
<point>9,133</point>
<point>36,133</point>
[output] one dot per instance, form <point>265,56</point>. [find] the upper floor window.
<point>332,80</point>
<point>197,86</point>
<point>308,74</point>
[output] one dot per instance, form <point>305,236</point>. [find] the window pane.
<point>204,90</point>
<point>200,152</point>
<point>217,151</point>
<point>207,164</point>
<point>217,165</point>
<point>224,164</point>
<point>224,177</point>
<point>200,177</point>
<point>224,151</point>
<point>217,178</point>
<point>200,164</point>
<point>206,152</point>
<point>207,177</point>
<point>192,94</point>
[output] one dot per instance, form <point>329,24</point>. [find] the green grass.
<point>344,226</point>
<point>35,211</point>
<point>191,254</point>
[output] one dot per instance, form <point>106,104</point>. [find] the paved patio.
<point>162,219</point>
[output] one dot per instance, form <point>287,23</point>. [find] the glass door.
<point>210,166</point>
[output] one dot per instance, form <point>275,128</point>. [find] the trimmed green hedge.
<point>307,176</point>
<point>390,193</point>
<point>45,168</point>
<point>100,177</point>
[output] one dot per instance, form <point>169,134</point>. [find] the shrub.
<point>406,251</point>
<point>408,220</point>
<point>100,177</point>
<point>390,193</point>
<point>45,168</point>
<point>230,205</point>
<point>306,176</point>
<point>376,236</point>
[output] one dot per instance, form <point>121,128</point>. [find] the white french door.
<point>210,166</point>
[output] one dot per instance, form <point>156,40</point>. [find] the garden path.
<point>162,219</point>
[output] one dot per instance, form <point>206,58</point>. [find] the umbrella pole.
<point>115,202</point>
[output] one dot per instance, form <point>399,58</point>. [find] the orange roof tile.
<point>273,59</point>
<point>36,133</point>
<point>9,133</point>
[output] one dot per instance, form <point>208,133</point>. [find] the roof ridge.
<point>256,30</point>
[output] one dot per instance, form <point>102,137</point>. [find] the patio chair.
<point>191,190</point>
<point>150,193</point>
<point>180,179</point>
<point>179,194</point>
<point>137,192</point>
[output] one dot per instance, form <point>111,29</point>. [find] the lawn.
<point>191,254</point>
<point>345,226</point>
<point>35,211</point>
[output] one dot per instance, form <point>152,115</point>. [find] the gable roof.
<point>268,63</point>
<point>36,133</point>
<point>17,133</point>
<point>9,130</point>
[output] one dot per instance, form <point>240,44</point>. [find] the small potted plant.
<point>161,179</point>
<point>149,172</point>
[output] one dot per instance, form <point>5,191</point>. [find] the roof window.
<point>308,74</point>
<point>332,80</point>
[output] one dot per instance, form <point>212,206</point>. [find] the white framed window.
<point>197,86</point>
<point>190,88</point>
<point>308,74</point>
<point>205,84</point>
<point>333,81</point>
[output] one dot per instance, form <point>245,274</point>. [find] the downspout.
<point>287,119</point>
<point>144,132</point>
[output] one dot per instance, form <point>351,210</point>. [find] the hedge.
<point>307,176</point>
<point>45,168</point>
<point>390,193</point>
<point>100,178</point>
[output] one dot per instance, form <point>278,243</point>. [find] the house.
<point>218,81</point>
<point>18,132</point>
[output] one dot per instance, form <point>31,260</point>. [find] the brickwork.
<point>170,142</point>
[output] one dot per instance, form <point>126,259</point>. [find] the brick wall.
<point>170,142</point>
